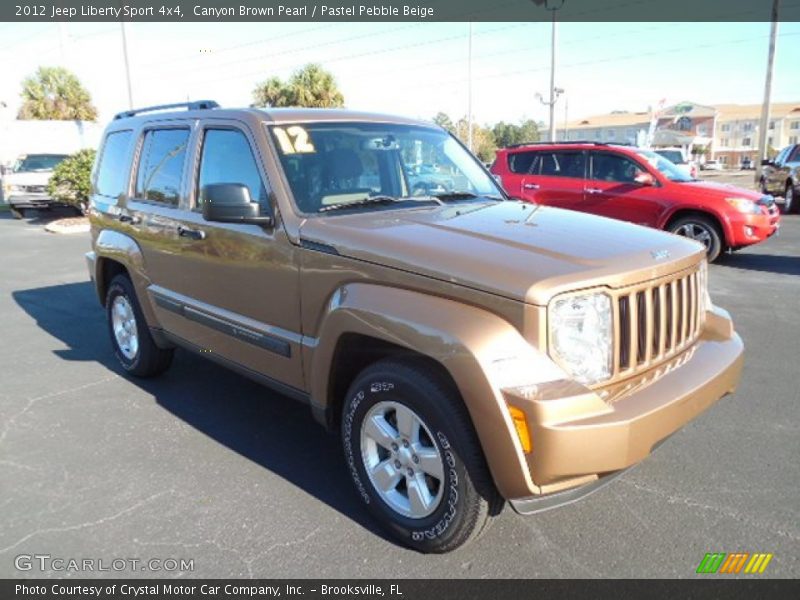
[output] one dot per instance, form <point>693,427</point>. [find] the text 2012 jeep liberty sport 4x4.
<point>471,349</point>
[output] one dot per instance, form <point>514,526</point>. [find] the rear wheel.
<point>701,229</point>
<point>789,201</point>
<point>414,457</point>
<point>135,348</point>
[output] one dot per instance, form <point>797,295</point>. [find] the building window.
<point>746,142</point>
<point>769,141</point>
<point>702,130</point>
<point>794,125</point>
<point>723,160</point>
<point>683,124</point>
<point>611,134</point>
<point>725,142</point>
<point>747,127</point>
<point>726,127</point>
<point>792,139</point>
<point>771,125</point>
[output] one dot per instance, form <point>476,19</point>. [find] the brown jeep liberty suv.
<point>471,349</point>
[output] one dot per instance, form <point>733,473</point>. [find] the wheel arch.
<point>367,322</point>
<point>686,211</point>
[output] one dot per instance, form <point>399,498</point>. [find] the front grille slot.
<point>655,322</point>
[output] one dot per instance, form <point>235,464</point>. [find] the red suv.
<point>632,184</point>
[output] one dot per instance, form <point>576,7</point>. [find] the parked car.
<point>678,158</point>
<point>782,177</point>
<point>631,184</point>
<point>467,348</point>
<point>712,165</point>
<point>746,164</point>
<point>26,185</point>
<point>429,179</point>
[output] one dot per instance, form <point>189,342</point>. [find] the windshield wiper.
<point>380,199</point>
<point>464,195</point>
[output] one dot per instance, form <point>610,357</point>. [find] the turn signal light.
<point>521,425</point>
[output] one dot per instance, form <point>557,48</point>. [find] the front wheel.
<point>414,457</point>
<point>701,229</point>
<point>789,201</point>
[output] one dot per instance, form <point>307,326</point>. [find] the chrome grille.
<point>655,321</point>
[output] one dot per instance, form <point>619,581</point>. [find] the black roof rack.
<point>196,105</point>
<point>593,142</point>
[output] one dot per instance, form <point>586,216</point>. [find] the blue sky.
<point>416,69</point>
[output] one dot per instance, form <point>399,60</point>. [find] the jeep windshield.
<point>340,167</point>
<point>38,162</point>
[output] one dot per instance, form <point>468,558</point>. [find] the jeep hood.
<point>520,251</point>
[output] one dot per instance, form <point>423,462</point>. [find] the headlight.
<point>743,205</point>
<point>13,188</point>
<point>581,336</point>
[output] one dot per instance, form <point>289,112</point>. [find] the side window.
<point>563,164</point>
<point>228,158</point>
<point>113,165</point>
<point>782,155</point>
<point>613,167</point>
<point>161,161</point>
<point>521,162</point>
<point>795,156</point>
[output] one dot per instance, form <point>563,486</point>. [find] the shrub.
<point>70,182</point>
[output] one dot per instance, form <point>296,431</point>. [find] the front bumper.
<point>26,200</point>
<point>752,229</point>
<point>580,436</point>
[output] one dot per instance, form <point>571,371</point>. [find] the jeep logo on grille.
<point>659,254</point>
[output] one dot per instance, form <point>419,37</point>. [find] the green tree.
<point>311,86</point>
<point>70,182</point>
<point>442,120</point>
<point>57,94</point>
<point>506,134</point>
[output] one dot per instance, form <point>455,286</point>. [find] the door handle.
<point>530,186</point>
<point>594,191</point>
<point>195,234</point>
<point>129,219</point>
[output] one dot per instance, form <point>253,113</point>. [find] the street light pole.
<point>469,89</point>
<point>764,126</point>
<point>127,66</point>
<point>553,78</point>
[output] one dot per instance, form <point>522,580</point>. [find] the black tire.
<point>763,186</point>
<point>149,360</point>
<point>706,227</point>
<point>468,497</point>
<point>790,202</point>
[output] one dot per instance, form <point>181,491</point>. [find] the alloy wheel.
<point>123,322</point>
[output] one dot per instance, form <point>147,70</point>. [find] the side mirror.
<point>767,162</point>
<point>231,203</point>
<point>644,178</point>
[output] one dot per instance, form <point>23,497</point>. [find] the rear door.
<point>776,174</point>
<point>612,190</point>
<point>557,178</point>
<point>518,166</point>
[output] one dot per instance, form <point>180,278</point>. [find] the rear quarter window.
<point>113,165</point>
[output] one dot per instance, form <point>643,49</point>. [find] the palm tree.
<point>55,93</point>
<point>312,86</point>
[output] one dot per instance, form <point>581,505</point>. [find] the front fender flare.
<point>470,343</point>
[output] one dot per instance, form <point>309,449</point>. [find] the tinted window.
<point>228,158</point>
<point>112,172</point>
<point>161,165</point>
<point>612,167</point>
<point>562,164</point>
<point>521,162</point>
<point>783,154</point>
<point>795,157</point>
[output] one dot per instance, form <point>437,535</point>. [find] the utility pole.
<point>127,66</point>
<point>764,126</point>
<point>469,89</point>
<point>553,78</point>
<point>566,120</point>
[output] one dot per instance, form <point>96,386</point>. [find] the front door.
<point>232,289</point>
<point>613,190</point>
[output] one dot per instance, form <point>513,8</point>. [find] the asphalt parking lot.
<point>202,464</point>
